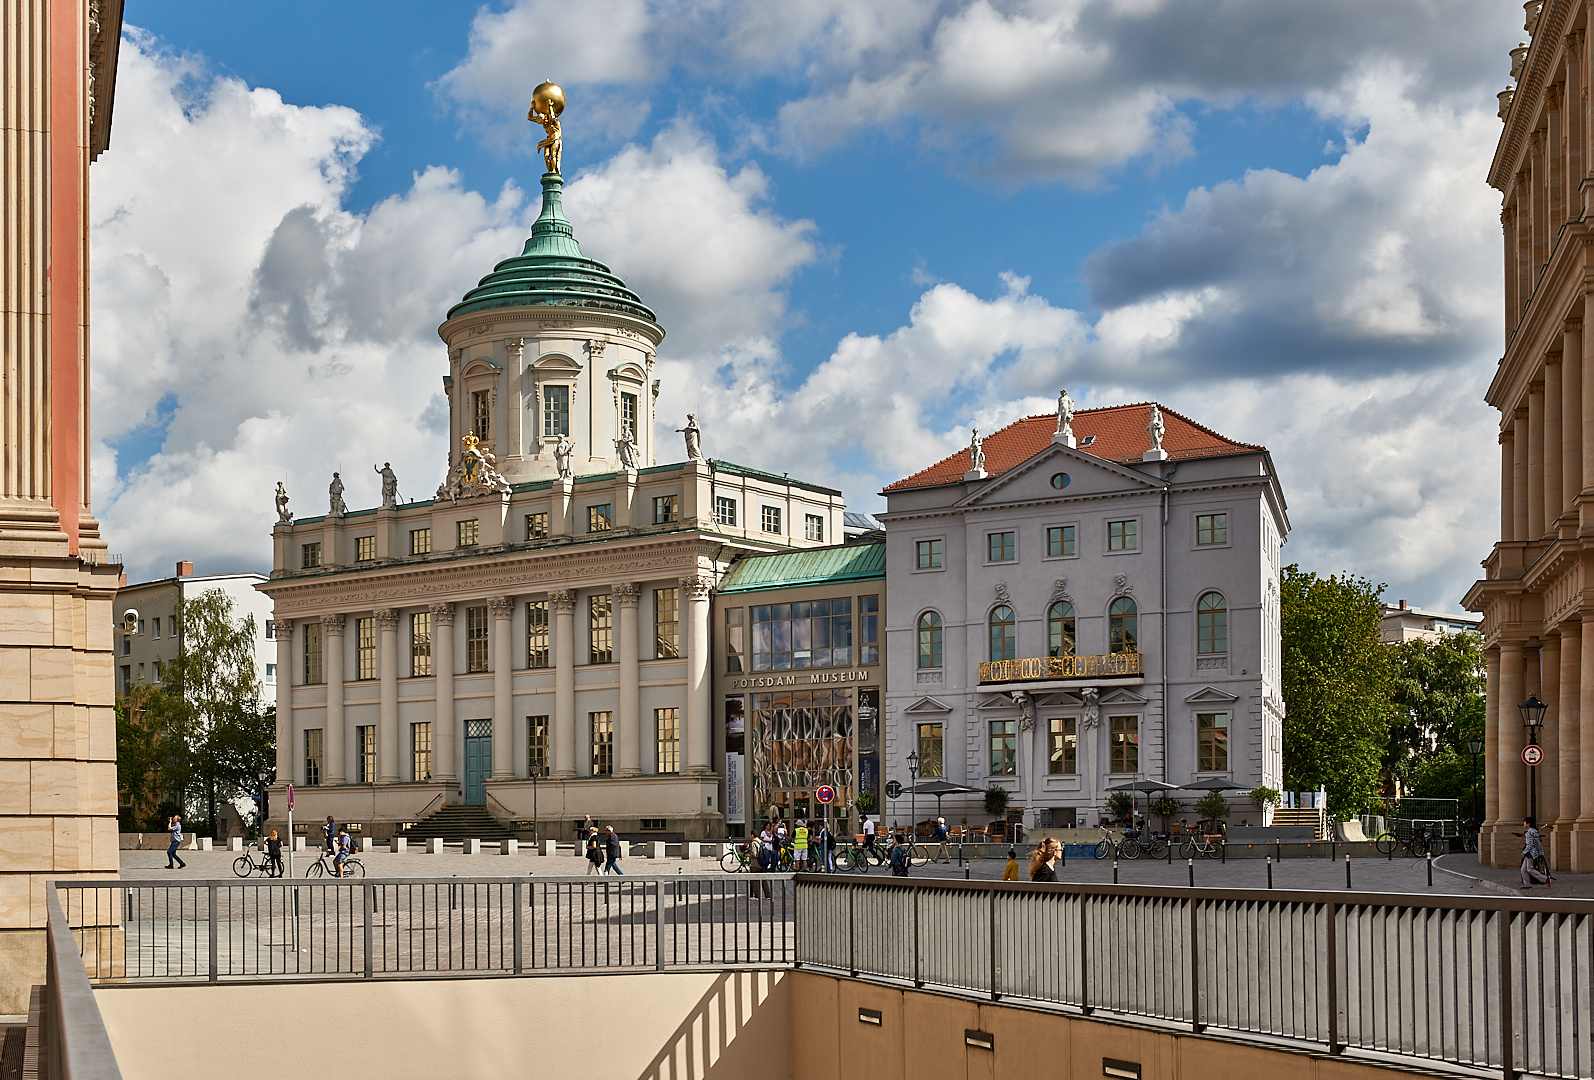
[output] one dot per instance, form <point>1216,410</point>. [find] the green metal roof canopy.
<point>815,566</point>
<point>552,272</point>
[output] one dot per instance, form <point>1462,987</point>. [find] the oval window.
<point>1059,480</point>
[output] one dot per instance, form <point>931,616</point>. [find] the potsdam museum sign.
<point>807,678</point>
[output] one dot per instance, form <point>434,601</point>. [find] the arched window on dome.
<point>1123,626</point>
<point>1060,624</point>
<point>1004,633</point>
<point>1212,624</point>
<point>930,640</point>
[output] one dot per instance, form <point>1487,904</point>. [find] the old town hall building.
<point>534,639</point>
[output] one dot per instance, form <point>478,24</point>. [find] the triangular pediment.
<point>1211,694</point>
<point>928,705</point>
<point>1059,699</point>
<point>1086,475</point>
<point>997,701</point>
<point>1122,695</point>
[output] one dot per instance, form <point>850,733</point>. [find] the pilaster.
<point>1553,454</point>
<point>629,735</point>
<point>332,738</point>
<point>1536,524</point>
<point>285,679</point>
<point>503,614</point>
<point>1571,445</point>
<point>563,603</point>
<point>699,718</point>
<point>1568,741</point>
<point>387,732</point>
<point>445,770</point>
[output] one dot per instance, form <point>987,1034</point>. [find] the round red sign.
<point>826,794</point>
<point>1532,754</point>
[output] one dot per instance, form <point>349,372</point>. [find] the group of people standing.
<point>812,848</point>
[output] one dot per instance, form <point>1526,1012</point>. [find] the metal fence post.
<point>852,928</point>
<point>213,934</point>
<point>995,995</point>
<point>1507,1055</point>
<point>916,980</point>
<point>1333,979</point>
<point>1084,958</point>
<point>1195,966</point>
<point>516,893</point>
<point>658,925</point>
<point>370,929</point>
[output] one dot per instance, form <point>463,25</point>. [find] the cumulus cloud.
<point>1029,88</point>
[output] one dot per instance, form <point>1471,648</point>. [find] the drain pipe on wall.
<point>1167,487</point>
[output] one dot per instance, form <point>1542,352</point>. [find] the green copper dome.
<point>552,272</point>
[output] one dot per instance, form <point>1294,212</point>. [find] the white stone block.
<point>235,844</point>
<point>398,845</point>
<point>434,846</point>
<point>509,847</point>
<point>367,843</point>
<point>692,850</point>
<point>298,843</point>
<point>550,847</point>
<point>655,850</point>
<point>473,847</point>
<point>205,844</point>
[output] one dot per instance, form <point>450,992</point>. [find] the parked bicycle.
<point>1418,844</point>
<point>323,867</point>
<point>851,857</point>
<point>1115,847</point>
<point>252,860</point>
<point>738,859</point>
<point>1198,844</point>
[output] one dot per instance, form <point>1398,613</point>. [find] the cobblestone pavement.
<point>1453,874</point>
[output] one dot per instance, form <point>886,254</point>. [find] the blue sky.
<point>866,228</point>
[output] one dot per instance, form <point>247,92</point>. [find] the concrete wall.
<point>921,1036</point>
<point>669,1027</point>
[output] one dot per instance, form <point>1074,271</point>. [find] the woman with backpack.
<point>899,857</point>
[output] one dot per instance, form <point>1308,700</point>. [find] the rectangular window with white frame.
<point>312,757</point>
<point>421,752</point>
<point>724,510</point>
<point>667,731</point>
<point>666,509</point>
<point>538,654</point>
<point>1124,735</point>
<point>602,727</point>
<point>600,628</point>
<point>476,656</point>
<point>666,624</point>
<point>481,413</point>
<point>814,528</point>
<point>1004,747</point>
<point>537,745</point>
<point>310,555</point>
<point>628,416</point>
<point>365,648</point>
<point>420,643</point>
<point>312,653</point>
<point>466,533</point>
<point>365,754</point>
<point>770,519</point>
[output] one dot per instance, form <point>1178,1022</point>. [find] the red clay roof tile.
<point>1120,432</point>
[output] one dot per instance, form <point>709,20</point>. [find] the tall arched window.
<point>1123,626</point>
<point>1060,629</point>
<point>1004,634</point>
<point>1212,624</point>
<point>930,640</point>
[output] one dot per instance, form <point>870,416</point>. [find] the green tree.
<point>1439,701</point>
<point>1337,678</point>
<point>1212,807</point>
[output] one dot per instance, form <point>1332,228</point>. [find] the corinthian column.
<point>387,735</point>
<point>563,602</point>
<point>630,733</point>
<point>332,644</point>
<point>1519,474</point>
<point>443,682</point>
<point>1535,461</point>
<point>699,716</point>
<point>503,609</point>
<point>1491,756</point>
<point>1568,743</point>
<point>284,632</point>
<point>1513,779</point>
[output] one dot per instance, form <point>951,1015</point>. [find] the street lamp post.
<point>913,783</point>
<point>1533,719</point>
<point>1475,748</point>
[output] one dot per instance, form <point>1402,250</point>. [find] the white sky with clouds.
<point>1348,317</point>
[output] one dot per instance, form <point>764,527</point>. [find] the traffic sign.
<point>826,794</point>
<point>893,789</point>
<point>1532,754</point>
<point>290,796</point>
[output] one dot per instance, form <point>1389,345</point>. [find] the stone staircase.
<point>455,823</point>
<point>1311,819</point>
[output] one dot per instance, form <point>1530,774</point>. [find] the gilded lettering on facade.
<point>1061,667</point>
<point>805,678</point>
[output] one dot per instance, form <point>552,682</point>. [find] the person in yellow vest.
<point>800,845</point>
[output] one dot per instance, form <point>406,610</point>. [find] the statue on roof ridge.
<point>1065,413</point>
<point>976,452</point>
<point>1155,427</point>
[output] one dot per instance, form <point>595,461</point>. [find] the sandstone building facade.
<point>1535,596</point>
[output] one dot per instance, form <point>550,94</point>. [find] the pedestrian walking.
<point>943,853</point>
<point>800,851</point>
<point>1043,863</point>
<point>175,825</point>
<point>1532,850</point>
<point>868,839</point>
<point>1010,873</point>
<point>274,854</point>
<point>594,851</point>
<point>612,849</point>
<point>899,857</point>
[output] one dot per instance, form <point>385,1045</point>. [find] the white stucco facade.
<point>144,651</point>
<point>1005,545</point>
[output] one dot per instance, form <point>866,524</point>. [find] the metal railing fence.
<point>1496,984</point>
<point>75,1043</point>
<point>134,931</point>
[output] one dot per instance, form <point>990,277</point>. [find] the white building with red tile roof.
<point>1089,612</point>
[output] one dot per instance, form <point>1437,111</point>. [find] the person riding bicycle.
<point>345,849</point>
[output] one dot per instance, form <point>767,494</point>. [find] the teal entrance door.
<point>478,759</point>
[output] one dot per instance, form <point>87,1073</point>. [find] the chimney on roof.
<point>1403,605</point>
<point>186,569</point>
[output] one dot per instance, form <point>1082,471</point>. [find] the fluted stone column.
<point>1583,831</point>
<point>1549,735</point>
<point>1491,755</point>
<point>1535,461</point>
<point>503,613</point>
<point>285,742</point>
<point>332,739</point>
<point>1513,776</point>
<point>629,735</point>
<point>443,769</point>
<point>563,602</point>
<point>387,733</point>
<point>1571,414</point>
<point>1553,456</point>
<point>1568,743</point>
<point>1519,474</point>
<point>1507,476</point>
<point>699,708</point>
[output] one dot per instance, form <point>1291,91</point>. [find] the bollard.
<point>1430,869</point>
<point>655,850</point>
<point>509,846</point>
<point>367,843</point>
<point>434,846</point>
<point>398,845</point>
<point>1170,854</point>
<point>1115,871</point>
<point>1270,871</point>
<point>473,847</point>
<point>1278,850</point>
<point>1390,853</point>
<point>1347,870</point>
<point>298,843</point>
<point>550,847</point>
<point>1192,873</point>
<point>691,850</point>
<point>1223,852</point>
<point>967,872</point>
<point>205,843</point>
<point>235,844</point>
